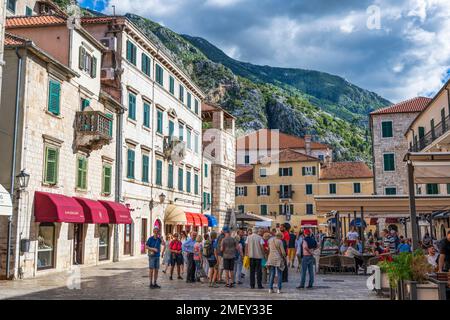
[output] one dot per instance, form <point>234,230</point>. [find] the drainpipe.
<point>118,184</point>
<point>373,156</point>
<point>13,159</point>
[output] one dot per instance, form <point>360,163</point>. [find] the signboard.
<point>5,202</point>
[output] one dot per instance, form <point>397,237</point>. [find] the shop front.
<point>177,220</point>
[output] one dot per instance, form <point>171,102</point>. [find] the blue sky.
<point>404,55</point>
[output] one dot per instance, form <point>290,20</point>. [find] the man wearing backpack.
<point>309,245</point>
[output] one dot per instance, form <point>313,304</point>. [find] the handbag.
<point>200,273</point>
<point>246,262</point>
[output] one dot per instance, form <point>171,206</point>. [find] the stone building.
<point>161,149</point>
<point>32,7</point>
<point>219,144</point>
<point>389,146</point>
<point>66,145</point>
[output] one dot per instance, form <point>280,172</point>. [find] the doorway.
<point>127,240</point>
<point>78,243</point>
<point>143,235</point>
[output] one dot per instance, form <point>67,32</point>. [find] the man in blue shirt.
<point>154,251</point>
<point>188,247</point>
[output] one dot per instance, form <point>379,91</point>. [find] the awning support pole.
<point>338,231</point>
<point>412,207</point>
<point>362,228</point>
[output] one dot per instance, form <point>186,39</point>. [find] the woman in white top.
<point>275,260</point>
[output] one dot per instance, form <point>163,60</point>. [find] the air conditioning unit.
<point>108,74</point>
<point>110,43</point>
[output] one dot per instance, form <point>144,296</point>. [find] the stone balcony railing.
<point>93,130</point>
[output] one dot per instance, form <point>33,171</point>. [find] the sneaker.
<point>170,278</point>
<point>156,286</point>
<point>270,291</point>
<point>151,286</point>
<point>300,287</point>
<point>180,278</point>
<point>309,287</point>
<point>278,291</point>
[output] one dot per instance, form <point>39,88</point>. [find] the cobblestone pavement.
<point>128,280</point>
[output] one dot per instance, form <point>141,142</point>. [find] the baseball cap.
<point>307,232</point>
<point>226,229</point>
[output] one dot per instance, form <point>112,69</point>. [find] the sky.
<point>396,48</point>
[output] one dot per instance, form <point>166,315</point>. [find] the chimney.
<point>308,144</point>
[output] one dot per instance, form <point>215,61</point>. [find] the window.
<point>103,244</point>
<point>247,159</point>
<point>241,209</point>
<point>145,65</point>
<point>46,246</point>
<point>54,97</point>
<point>264,209</point>
<point>82,173</point>
<point>188,138</point>
<point>85,103</point>
<point>180,179</point>
<point>51,165</point>
<point>181,93</point>
<point>321,157</point>
<point>11,5</point>
<point>309,189</point>
<point>206,170</point>
<point>263,190</point>
<point>130,163</point>
<point>28,11</point>
<point>286,209</point>
<point>386,129</point>
<point>195,183</point>
<point>332,188</point>
<point>131,52</point>
<point>389,164</point>
<point>180,131</point>
<point>263,172</point>
<point>189,101</point>
<point>146,121</point>
<point>285,172</point>
<point>433,132</point>
<point>106,179</point>
<point>159,118</point>
<point>170,176</point>
<point>87,62</point>
<point>196,106</point>
<point>171,85</point>
<point>309,208</point>
<point>206,200</point>
<point>285,191</point>
<point>131,106</point>
<point>448,188</point>
<point>241,191</point>
<point>188,181</point>
<point>145,168</point>
<point>159,75</point>
<point>196,140</point>
<point>111,118</point>
<point>158,178</point>
<point>356,187</point>
<point>308,171</point>
<point>390,191</point>
<point>432,188</point>
<point>171,128</point>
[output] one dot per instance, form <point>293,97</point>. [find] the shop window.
<point>46,246</point>
<point>103,246</point>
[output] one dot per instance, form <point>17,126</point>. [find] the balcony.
<point>286,194</point>
<point>441,129</point>
<point>174,149</point>
<point>92,130</point>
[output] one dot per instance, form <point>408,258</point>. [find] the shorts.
<point>213,263</point>
<point>228,264</point>
<point>291,253</point>
<point>176,259</point>
<point>153,262</point>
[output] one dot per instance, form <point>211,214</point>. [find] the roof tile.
<point>345,170</point>
<point>244,174</point>
<point>34,21</point>
<point>412,105</point>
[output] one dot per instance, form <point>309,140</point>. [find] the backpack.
<point>208,249</point>
<point>311,242</point>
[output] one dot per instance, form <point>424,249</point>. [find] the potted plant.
<point>397,270</point>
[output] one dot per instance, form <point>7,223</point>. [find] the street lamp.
<point>23,179</point>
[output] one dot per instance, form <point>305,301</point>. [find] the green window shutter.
<point>54,98</point>
<point>172,85</point>
<point>132,106</point>
<point>448,188</point>
<point>94,67</point>
<point>171,128</point>
<point>159,75</point>
<point>180,179</point>
<point>159,127</point>
<point>145,161</point>
<point>206,170</point>
<point>51,165</point>
<point>313,171</point>
<point>28,11</point>
<point>158,173</point>
<point>303,171</point>
<point>188,182</point>
<point>181,93</point>
<point>432,188</point>
<point>386,129</point>
<point>131,52</point>
<point>264,210</point>
<point>180,132</point>
<point>356,187</point>
<point>170,176</point>
<point>196,184</point>
<point>189,101</point>
<point>146,121</point>
<point>81,54</point>
<point>106,186</point>
<point>82,173</point>
<point>290,172</point>
<point>188,139</point>
<point>389,164</point>
<point>130,164</point>
<point>111,118</point>
<point>196,106</point>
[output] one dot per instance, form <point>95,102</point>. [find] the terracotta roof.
<point>12,40</point>
<point>34,21</point>
<point>289,155</point>
<point>345,170</point>
<point>244,174</point>
<point>100,19</point>
<point>412,105</point>
<point>285,141</point>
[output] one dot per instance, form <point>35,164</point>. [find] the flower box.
<point>430,290</point>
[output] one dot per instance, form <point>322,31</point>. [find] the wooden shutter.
<point>81,54</point>
<point>303,171</point>
<point>106,179</point>
<point>268,190</point>
<point>245,191</point>
<point>51,165</point>
<point>93,67</point>
<point>291,209</point>
<point>281,209</point>
<point>54,97</point>
<point>236,191</point>
<point>290,172</point>
<point>313,171</point>
<point>290,191</point>
<point>130,167</point>
<point>280,172</point>
<point>258,190</point>
<point>82,173</point>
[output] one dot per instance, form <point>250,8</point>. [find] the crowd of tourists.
<point>263,255</point>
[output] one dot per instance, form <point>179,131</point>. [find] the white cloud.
<point>222,3</point>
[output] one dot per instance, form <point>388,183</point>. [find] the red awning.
<point>373,221</point>
<point>189,219</point>
<point>204,220</point>
<point>94,211</point>
<point>118,213</point>
<point>309,223</point>
<point>197,219</point>
<point>52,207</point>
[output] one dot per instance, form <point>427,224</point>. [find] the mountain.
<point>329,92</point>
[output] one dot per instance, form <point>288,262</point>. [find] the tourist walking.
<point>176,257</point>
<point>291,248</point>
<point>228,248</point>
<point>188,248</point>
<point>153,246</point>
<point>183,239</point>
<point>238,261</point>
<point>264,268</point>
<point>255,251</point>
<point>198,252</point>
<point>299,249</point>
<point>284,229</point>
<point>220,254</point>
<point>309,245</point>
<point>210,252</point>
<point>166,253</point>
<point>276,261</point>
